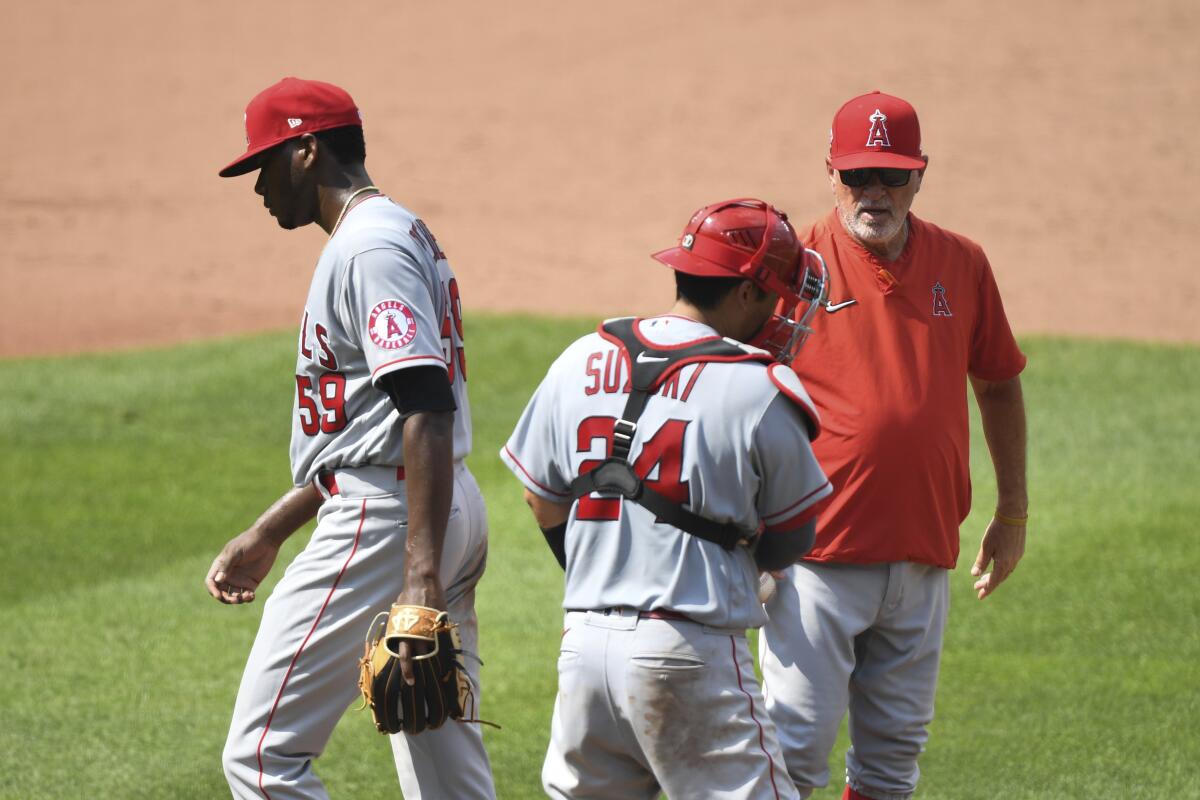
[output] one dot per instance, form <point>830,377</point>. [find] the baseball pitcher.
<point>380,427</point>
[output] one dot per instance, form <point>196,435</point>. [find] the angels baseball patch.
<point>391,325</point>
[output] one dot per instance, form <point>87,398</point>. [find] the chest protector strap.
<point>649,369</point>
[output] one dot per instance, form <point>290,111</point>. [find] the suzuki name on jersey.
<point>606,372</point>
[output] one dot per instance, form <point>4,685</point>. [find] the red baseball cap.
<point>287,109</point>
<point>875,130</point>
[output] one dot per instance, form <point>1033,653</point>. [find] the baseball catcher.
<point>667,462</point>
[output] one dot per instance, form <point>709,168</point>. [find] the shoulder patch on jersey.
<point>391,325</point>
<point>789,384</point>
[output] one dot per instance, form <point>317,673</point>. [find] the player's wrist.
<point>1012,520</point>
<point>422,589</point>
<point>1014,506</point>
<point>272,535</point>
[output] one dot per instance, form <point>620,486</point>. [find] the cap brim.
<point>885,160</point>
<point>248,161</point>
<point>682,260</point>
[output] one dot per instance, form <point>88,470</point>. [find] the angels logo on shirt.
<point>941,308</point>
<point>391,325</point>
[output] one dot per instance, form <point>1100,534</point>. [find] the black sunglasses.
<point>888,176</point>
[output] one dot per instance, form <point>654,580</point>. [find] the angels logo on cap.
<point>875,130</point>
<point>878,135</point>
<point>391,325</point>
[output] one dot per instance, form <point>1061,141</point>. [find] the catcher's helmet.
<point>751,239</point>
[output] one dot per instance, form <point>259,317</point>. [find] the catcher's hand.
<point>441,689</point>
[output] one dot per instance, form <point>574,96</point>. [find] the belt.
<point>330,483</point>
<point>664,613</point>
<point>658,613</point>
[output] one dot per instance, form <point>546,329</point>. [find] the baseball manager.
<point>913,318</point>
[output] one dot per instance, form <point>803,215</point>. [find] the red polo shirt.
<point>888,373</point>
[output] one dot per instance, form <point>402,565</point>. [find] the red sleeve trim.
<point>431,359</point>
<point>800,519</point>
<point>805,499</point>
<point>532,479</point>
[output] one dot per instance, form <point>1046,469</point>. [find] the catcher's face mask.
<point>785,331</point>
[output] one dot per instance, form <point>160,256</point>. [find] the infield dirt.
<point>553,146</point>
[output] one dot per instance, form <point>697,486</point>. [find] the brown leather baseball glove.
<point>442,689</point>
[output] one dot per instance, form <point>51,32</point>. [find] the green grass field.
<point>124,474</point>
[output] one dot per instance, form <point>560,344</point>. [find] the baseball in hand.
<point>766,588</point>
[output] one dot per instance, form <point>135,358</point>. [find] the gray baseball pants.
<point>302,672</point>
<point>650,705</point>
<point>860,637</point>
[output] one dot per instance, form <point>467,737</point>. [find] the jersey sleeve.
<point>995,355</point>
<point>533,452</point>
<point>393,303</point>
<point>792,483</point>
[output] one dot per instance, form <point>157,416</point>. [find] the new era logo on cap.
<point>875,130</point>
<point>289,108</point>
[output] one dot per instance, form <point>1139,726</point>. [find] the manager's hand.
<point>1002,547</point>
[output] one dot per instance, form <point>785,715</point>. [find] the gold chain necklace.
<point>346,207</point>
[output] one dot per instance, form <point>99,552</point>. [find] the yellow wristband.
<point>1016,522</point>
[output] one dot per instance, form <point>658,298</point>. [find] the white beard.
<point>876,233</point>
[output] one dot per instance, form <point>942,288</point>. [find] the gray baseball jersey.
<point>383,298</point>
<point>728,439</point>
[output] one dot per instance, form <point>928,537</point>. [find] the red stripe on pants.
<point>762,745</point>
<point>361,519</point>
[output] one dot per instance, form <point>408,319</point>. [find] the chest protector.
<point>650,367</point>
